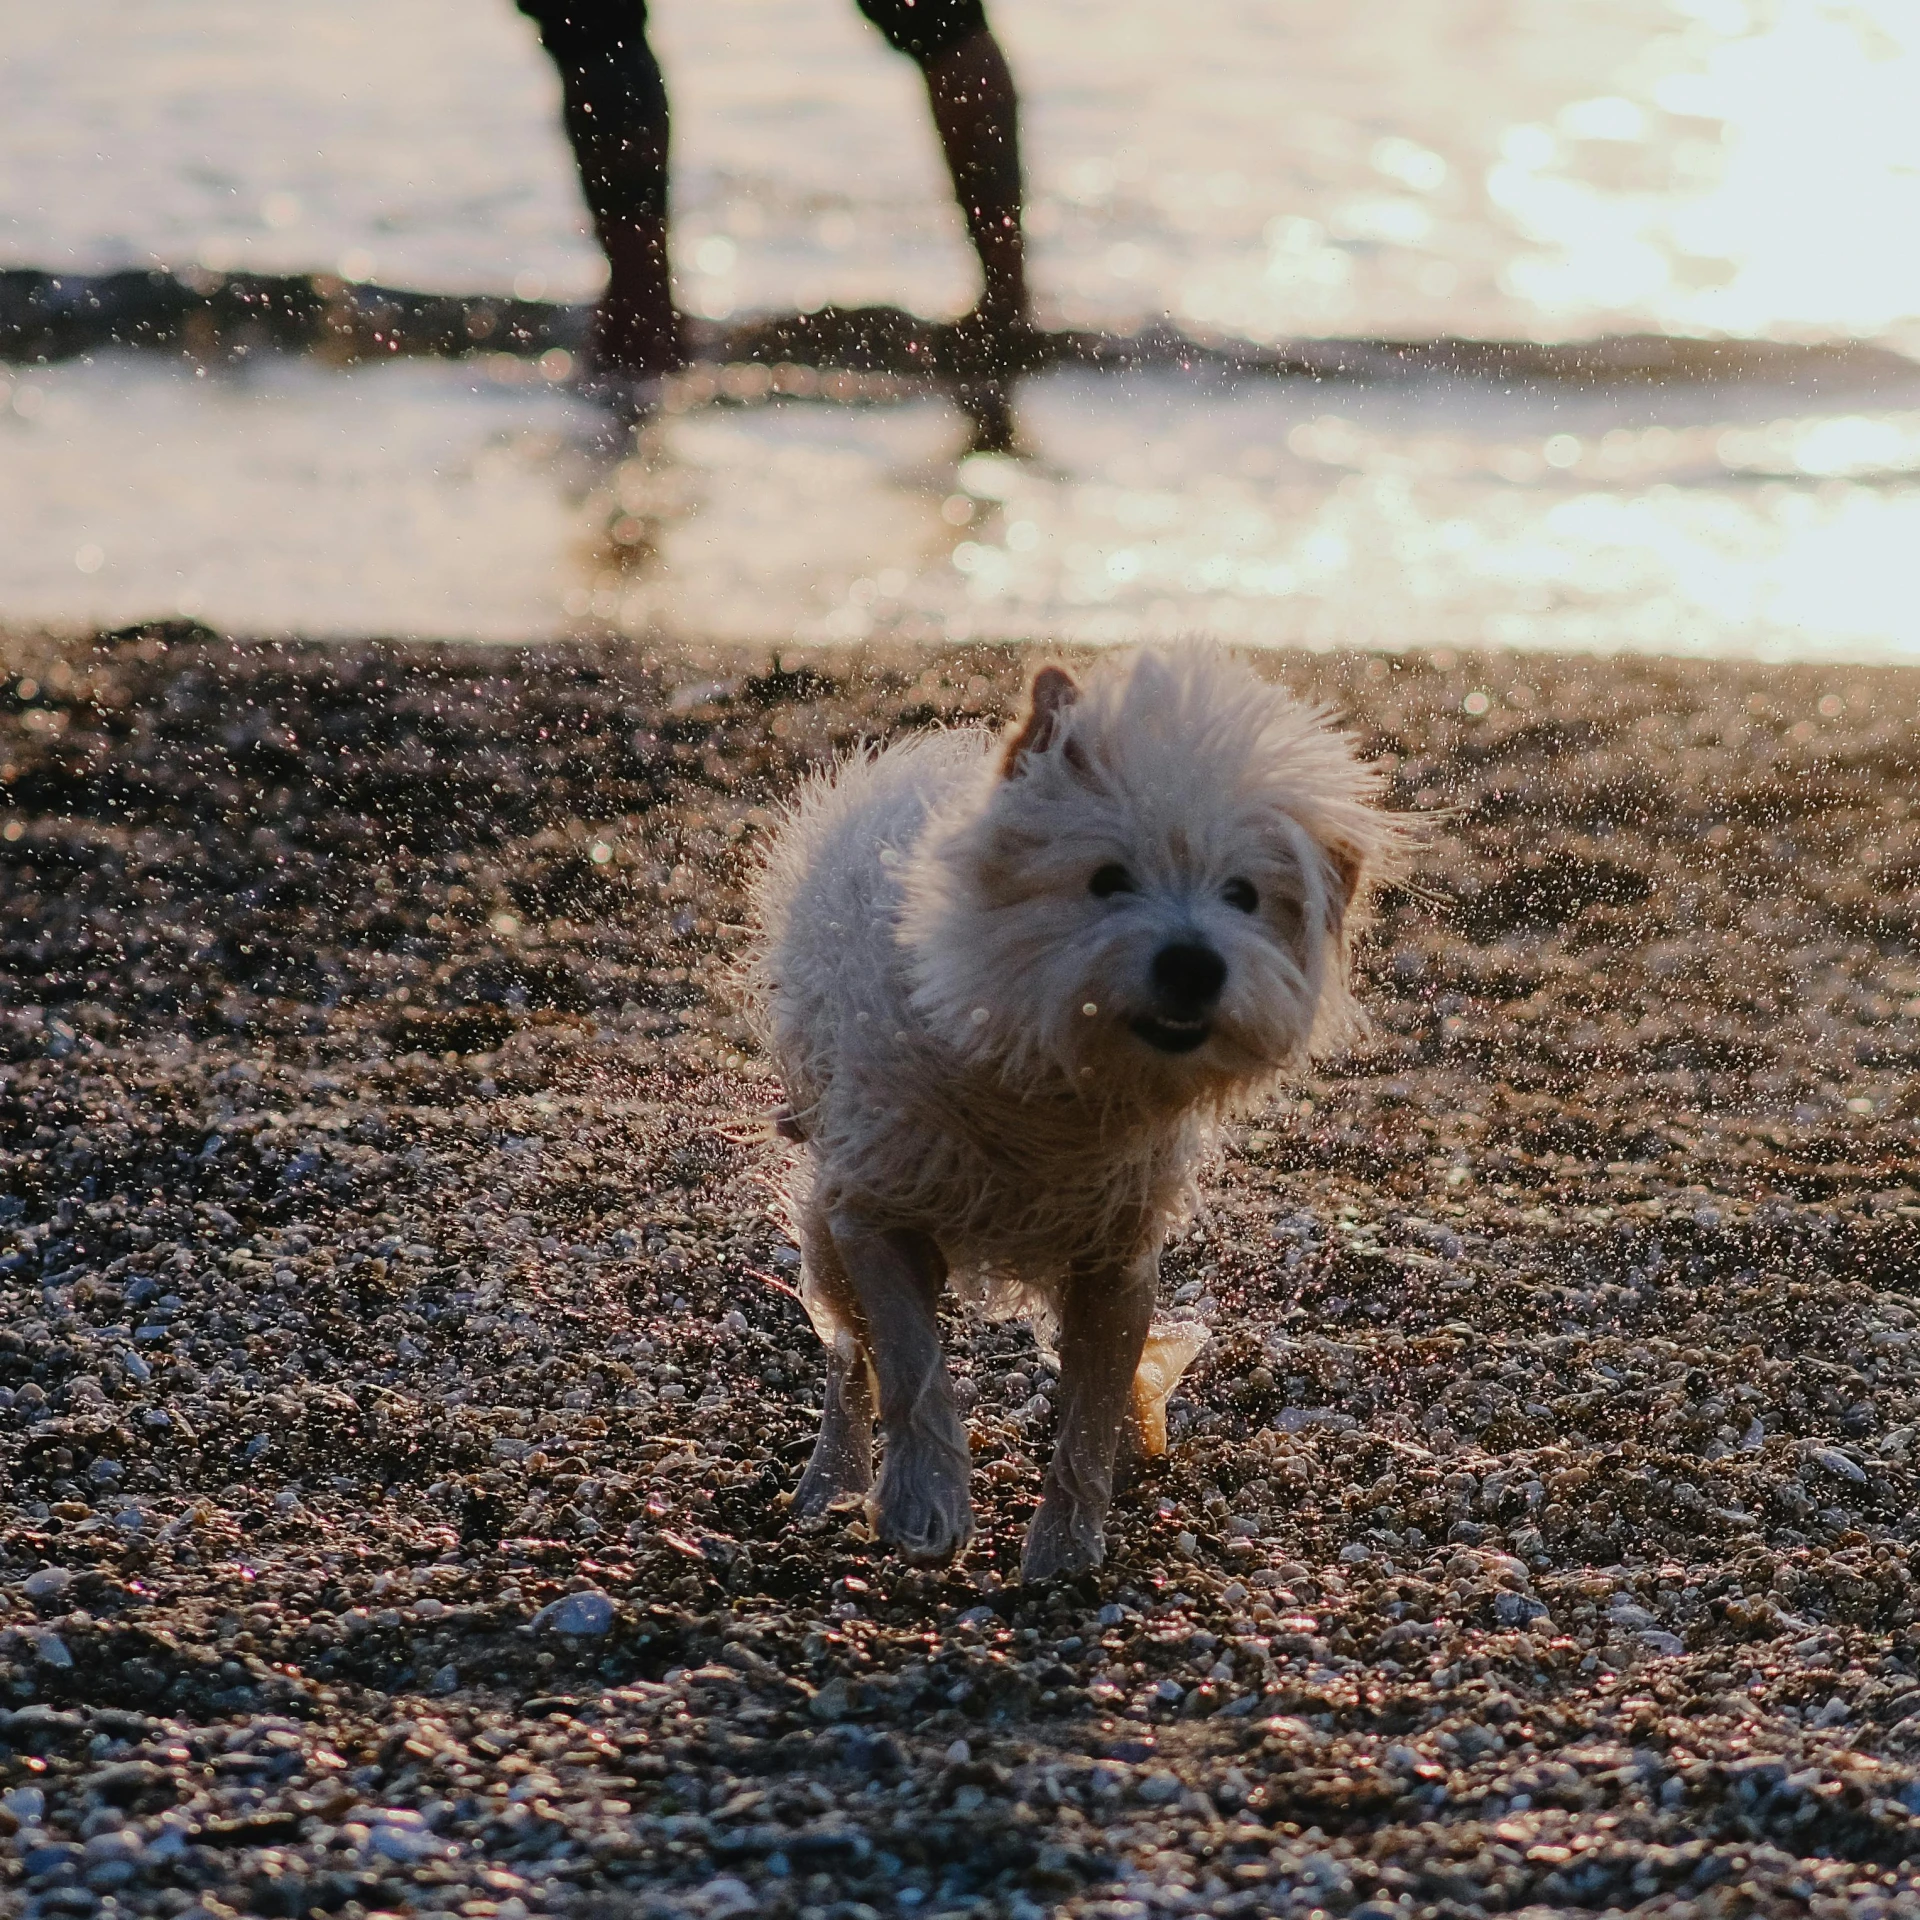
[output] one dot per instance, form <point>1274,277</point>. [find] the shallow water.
<point>451,500</point>
<point>1406,167</point>
<point>1399,166</point>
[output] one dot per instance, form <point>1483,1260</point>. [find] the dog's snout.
<point>1188,976</point>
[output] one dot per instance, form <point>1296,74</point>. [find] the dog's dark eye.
<point>1109,880</point>
<point>1241,894</point>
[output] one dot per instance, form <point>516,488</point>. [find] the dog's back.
<point>831,985</point>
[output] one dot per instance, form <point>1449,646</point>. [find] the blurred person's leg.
<point>976,113</point>
<point>616,117</point>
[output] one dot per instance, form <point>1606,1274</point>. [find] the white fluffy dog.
<point>1012,987</point>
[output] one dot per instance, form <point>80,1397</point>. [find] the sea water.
<point>1401,168</point>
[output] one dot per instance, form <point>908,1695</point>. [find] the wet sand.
<point>401,1373</point>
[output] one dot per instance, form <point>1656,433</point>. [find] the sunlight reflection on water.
<point>1790,163</point>
<point>428,499</point>
<point>1411,167</point>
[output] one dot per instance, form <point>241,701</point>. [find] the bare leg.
<point>617,123</point>
<point>920,1502</point>
<point>977,114</point>
<point>1103,1326</point>
<point>635,329</point>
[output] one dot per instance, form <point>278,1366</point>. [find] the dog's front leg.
<point>1104,1315</point>
<point>920,1502</point>
<point>842,1461</point>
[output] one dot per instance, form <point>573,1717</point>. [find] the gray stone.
<point>1838,1463</point>
<point>1518,1609</point>
<point>584,1614</point>
<point>117,1843</point>
<point>403,1844</point>
<point>50,1858</point>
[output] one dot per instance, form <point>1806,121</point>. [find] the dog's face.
<point>1154,892</point>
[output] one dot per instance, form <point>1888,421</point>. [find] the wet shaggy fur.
<point>1012,987</point>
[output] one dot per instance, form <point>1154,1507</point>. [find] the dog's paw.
<point>1063,1540</point>
<point>921,1507</point>
<point>841,1467</point>
<point>826,1481</point>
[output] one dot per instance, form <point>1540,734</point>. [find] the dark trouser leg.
<point>616,119</point>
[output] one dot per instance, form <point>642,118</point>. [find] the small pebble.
<point>387,1320</point>
<point>583,1614</point>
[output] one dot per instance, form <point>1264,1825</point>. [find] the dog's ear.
<point>1054,691</point>
<point>1349,867</point>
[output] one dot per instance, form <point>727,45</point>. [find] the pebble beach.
<point>401,1377</point>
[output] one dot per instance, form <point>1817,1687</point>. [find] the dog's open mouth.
<point>1172,1036</point>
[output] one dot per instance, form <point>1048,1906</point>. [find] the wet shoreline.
<point>48,317</point>
<point>487,498</point>
<point>389,1255</point>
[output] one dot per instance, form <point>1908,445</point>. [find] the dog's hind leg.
<point>842,1461</point>
<point>920,1502</point>
<point>1104,1316</point>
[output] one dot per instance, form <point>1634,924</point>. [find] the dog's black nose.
<point>1187,977</point>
